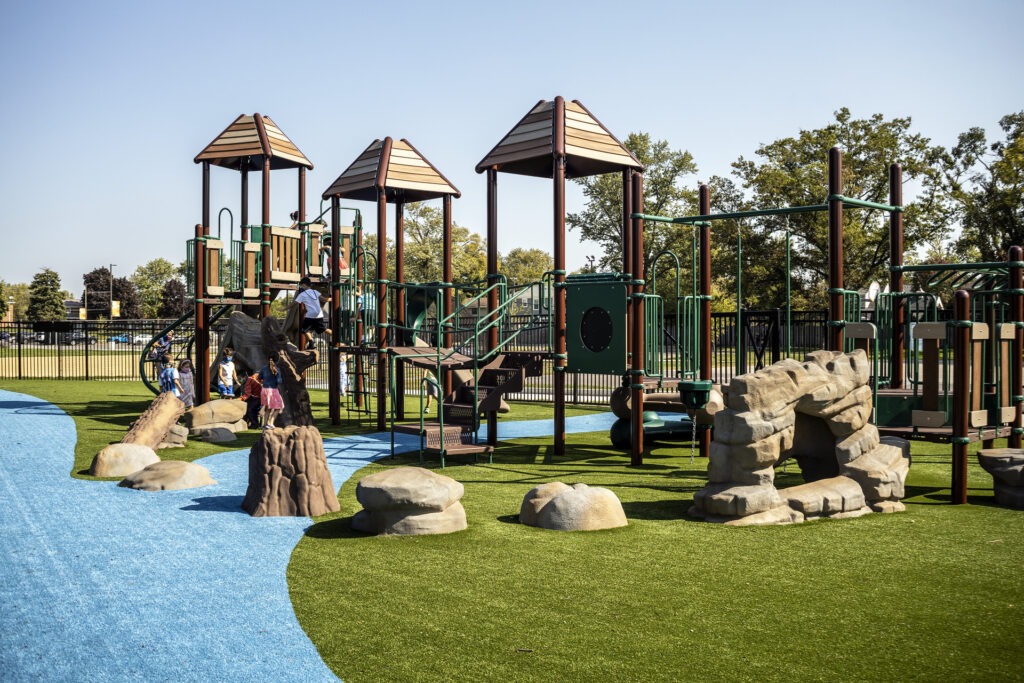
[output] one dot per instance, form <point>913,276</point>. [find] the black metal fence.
<point>101,350</point>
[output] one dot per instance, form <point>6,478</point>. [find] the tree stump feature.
<point>153,425</point>
<point>288,475</point>
<point>297,410</point>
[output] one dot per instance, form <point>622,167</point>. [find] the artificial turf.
<point>930,593</point>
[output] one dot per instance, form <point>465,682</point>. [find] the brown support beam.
<point>300,219</point>
<point>961,395</point>
<point>1016,283</point>
<point>382,330</point>
<point>399,314</point>
<point>265,239</point>
<point>492,251</point>
<point>636,403</point>
<point>334,362</point>
<point>899,308</point>
<point>627,247</point>
<point>835,250</point>
<point>705,305</point>
<point>202,364</point>
<point>243,214</point>
<point>558,150</point>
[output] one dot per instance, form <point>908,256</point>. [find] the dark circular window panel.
<point>596,329</point>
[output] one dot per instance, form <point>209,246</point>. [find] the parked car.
<point>73,338</point>
<point>141,339</point>
<point>5,337</point>
<point>118,338</point>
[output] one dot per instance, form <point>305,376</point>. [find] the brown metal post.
<point>202,364</point>
<point>835,250</point>
<point>705,305</point>
<point>299,220</point>
<point>399,314</point>
<point>382,330</point>
<point>334,363</point>
<point>899,306</point>
<point>265,239</point>
<point>636,403</point>
<point>961,395</point>
<point>627,245</point>
<point>243,214</point>
<point>558,150</point>
<point>492,251</point>
<point>1017,316</point>
<point>360,266</point>
<point>446,276</point>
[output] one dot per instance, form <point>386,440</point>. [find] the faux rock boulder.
<point>409,501</point>
<point>169,475</point>
<point>288,475</point>
<point>579,507</point>
<point>121,459</point>
<point>815,412</point>
<point>219,411</point>
<point>1006,465</point>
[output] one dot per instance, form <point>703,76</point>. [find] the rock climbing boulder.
<point>169,475</point>
<point>121,459</point>
<point>288,475</point>
<point>578,507</point>
<point>409,501</point>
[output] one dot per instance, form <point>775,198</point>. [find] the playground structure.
<point>610,323</point>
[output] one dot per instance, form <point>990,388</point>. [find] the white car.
<point>141,339</point>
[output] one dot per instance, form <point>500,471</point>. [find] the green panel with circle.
<point>595,323</point>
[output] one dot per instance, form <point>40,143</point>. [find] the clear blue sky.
<point>105,104</point>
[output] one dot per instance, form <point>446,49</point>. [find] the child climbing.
<point>432,390</point>
<point>270,396</point>
<point>226,376</point>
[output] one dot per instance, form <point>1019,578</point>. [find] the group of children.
<point>261,390</point>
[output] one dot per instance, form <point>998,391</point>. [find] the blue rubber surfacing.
<point>102,583</point>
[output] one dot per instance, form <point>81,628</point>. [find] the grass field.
<point>934,593</point>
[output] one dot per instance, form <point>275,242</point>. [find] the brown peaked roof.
<point>398,167</point>
<point>247,140</point>
<point>528,148</point>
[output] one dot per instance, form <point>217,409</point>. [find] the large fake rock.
<point>169,475</point>
<point>176,437</point>
<point>120,459</point>
<point>219,432</point>
<point>288,475</point>
<point>578,507</point>
<point>152,426</point>
<point>242,333</point>
<point>409,501</point>
<point>216,412</point>
<point>816,412</point>
<point>1006,465</point>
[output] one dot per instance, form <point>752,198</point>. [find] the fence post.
<point>741,346</point>
<point>776,337</point>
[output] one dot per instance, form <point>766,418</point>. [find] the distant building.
<point>72,306</point>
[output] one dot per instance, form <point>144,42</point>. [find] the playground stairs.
<point>455,432</point>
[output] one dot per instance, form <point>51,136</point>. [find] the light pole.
<point>10,309</point>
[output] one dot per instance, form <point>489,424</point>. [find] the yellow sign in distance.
<point>115,309</point>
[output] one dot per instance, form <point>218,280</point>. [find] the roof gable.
<point>244,144</point>
<point>398,167</point>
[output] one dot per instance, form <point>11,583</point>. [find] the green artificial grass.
<point>928,594</point>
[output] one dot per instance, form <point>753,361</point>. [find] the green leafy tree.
<point>424,247</point>
<point>149,280</point>
<point>666,193</point>
<point>46,298</point>
<point>793,171</point>
<point>522,266</point>
<point>97,293</point>
<point>174,301</point>
<point>986,187</point>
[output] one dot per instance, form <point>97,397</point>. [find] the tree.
<point>986,187</point>
<point>665,194</point>
<point>424,226</point>
<point>794,171</point>
<point>150,280</point>
<point>46,298</point>
<point>97,295</point>
<point>523,266</point>
<point>174,301</point>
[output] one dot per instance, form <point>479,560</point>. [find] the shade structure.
<point>398,168</point>
<point>590,148</point>
<point>244,144</point>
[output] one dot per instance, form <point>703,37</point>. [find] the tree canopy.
<point>522,266</point>
<point>174,301</point>
<point>149,280</point>
<point>97,295</point>
<point>45,297</point>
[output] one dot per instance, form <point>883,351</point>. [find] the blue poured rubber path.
<point>102,583</point>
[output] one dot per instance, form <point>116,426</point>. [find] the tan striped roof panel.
<point>247,140</point>
<point>406,175</point>
<point>528,149</point>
